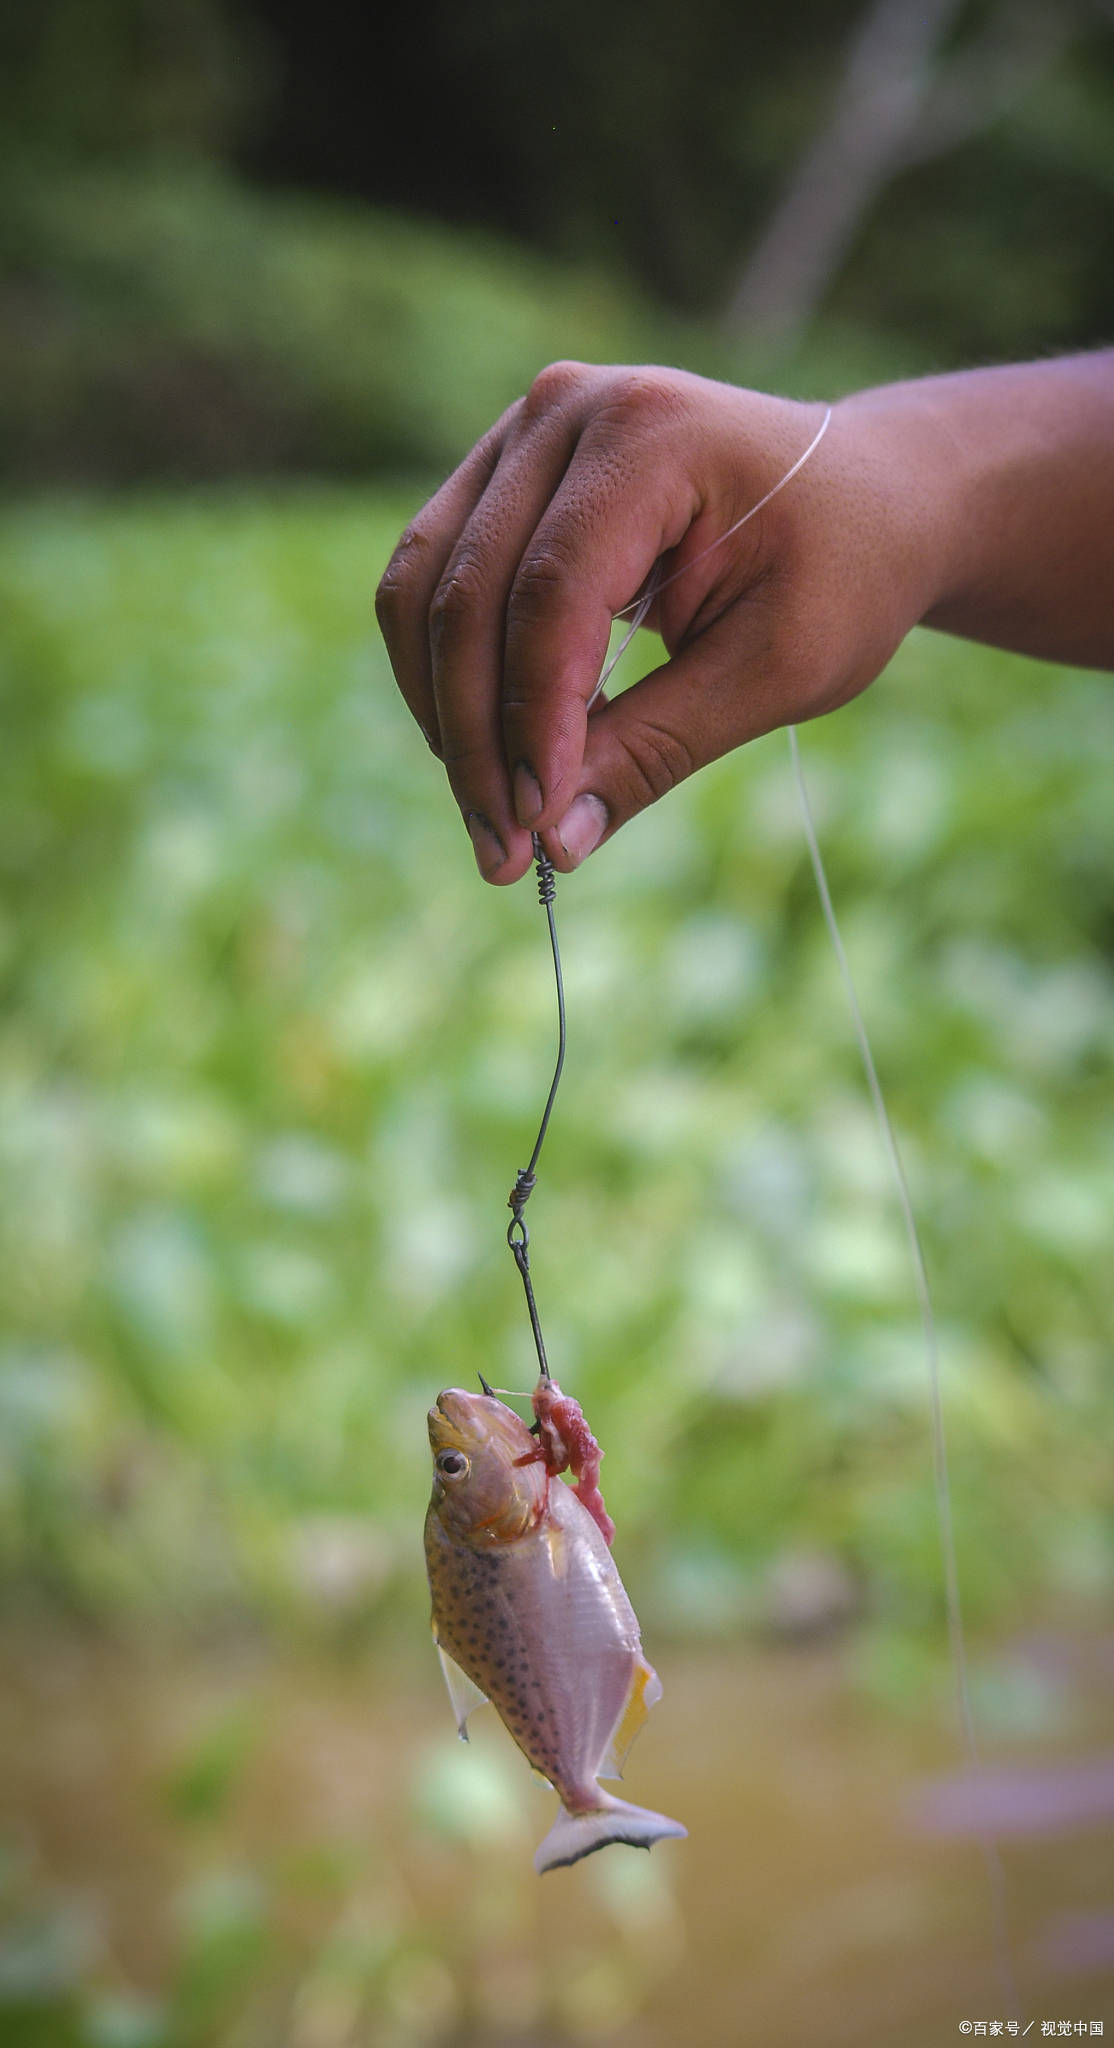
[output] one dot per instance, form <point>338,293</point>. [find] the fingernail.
<point>582,827</point>
<point>528,798</point>
<point>487,846</point>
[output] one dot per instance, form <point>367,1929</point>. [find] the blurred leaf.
<point>206,1779</point>
<point>123,2020</point>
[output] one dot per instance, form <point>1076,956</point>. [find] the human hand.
<point>498,602</point>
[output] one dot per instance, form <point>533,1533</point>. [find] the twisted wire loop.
<point>526,1180</point>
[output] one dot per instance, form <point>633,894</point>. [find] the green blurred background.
<point>270,1053</point>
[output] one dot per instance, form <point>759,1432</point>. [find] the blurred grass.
<point>271,1053</point>
<point>161,320</point>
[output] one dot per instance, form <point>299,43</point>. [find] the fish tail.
<point>574,1835</point>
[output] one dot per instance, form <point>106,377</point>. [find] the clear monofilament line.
<point>640,606</point>
<point>956,1636</point>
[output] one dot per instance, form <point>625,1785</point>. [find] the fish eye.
<point>452,1464</point>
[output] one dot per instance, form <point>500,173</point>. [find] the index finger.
<point>405,592</point>
<point>591,552</point>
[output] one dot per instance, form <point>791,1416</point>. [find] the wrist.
<point>918,479</point>
<point>1008,495</point>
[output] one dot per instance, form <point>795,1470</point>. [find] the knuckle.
<point>402,574</point>
<point>461,757</point>
<point>520,704</point>
<point>643,397</point>
<point>457,599</point>
<point>552,387</point>
<point>657,759</point>
<point>390,595</point>
<point>542,580</point>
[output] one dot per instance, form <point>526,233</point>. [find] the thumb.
<point>724,689</point>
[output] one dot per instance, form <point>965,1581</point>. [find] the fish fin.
<point>644,1692</point>
<point>464,1693</point>
<point>574,1835</point>
<point>558,1546</point>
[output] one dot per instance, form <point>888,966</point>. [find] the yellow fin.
<point>558,1547</point>
<point>464,1693</point>
<point>644,1693</point>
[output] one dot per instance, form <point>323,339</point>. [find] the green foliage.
<point>991,249</point>
<point>102,77</point>
<point>162,320</point>
<point>272,1053</point>
<point>205,1779</point>
<point>174,323</point>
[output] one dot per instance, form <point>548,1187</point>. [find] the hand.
<point>498,602</point>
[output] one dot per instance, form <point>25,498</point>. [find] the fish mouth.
<point>461,1421</point>
<point>446,1429</point>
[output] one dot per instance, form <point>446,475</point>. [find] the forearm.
<point>1015,469</point>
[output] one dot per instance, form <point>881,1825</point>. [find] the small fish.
<point>529,1612</point>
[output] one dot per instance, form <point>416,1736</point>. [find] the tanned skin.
<point>980,503</point>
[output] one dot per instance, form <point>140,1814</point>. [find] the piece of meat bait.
<point>529,1612</point>
<point>566,1444</point>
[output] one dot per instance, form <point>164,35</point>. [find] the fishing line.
<point>640,606</point>
<point>956,1634</point>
